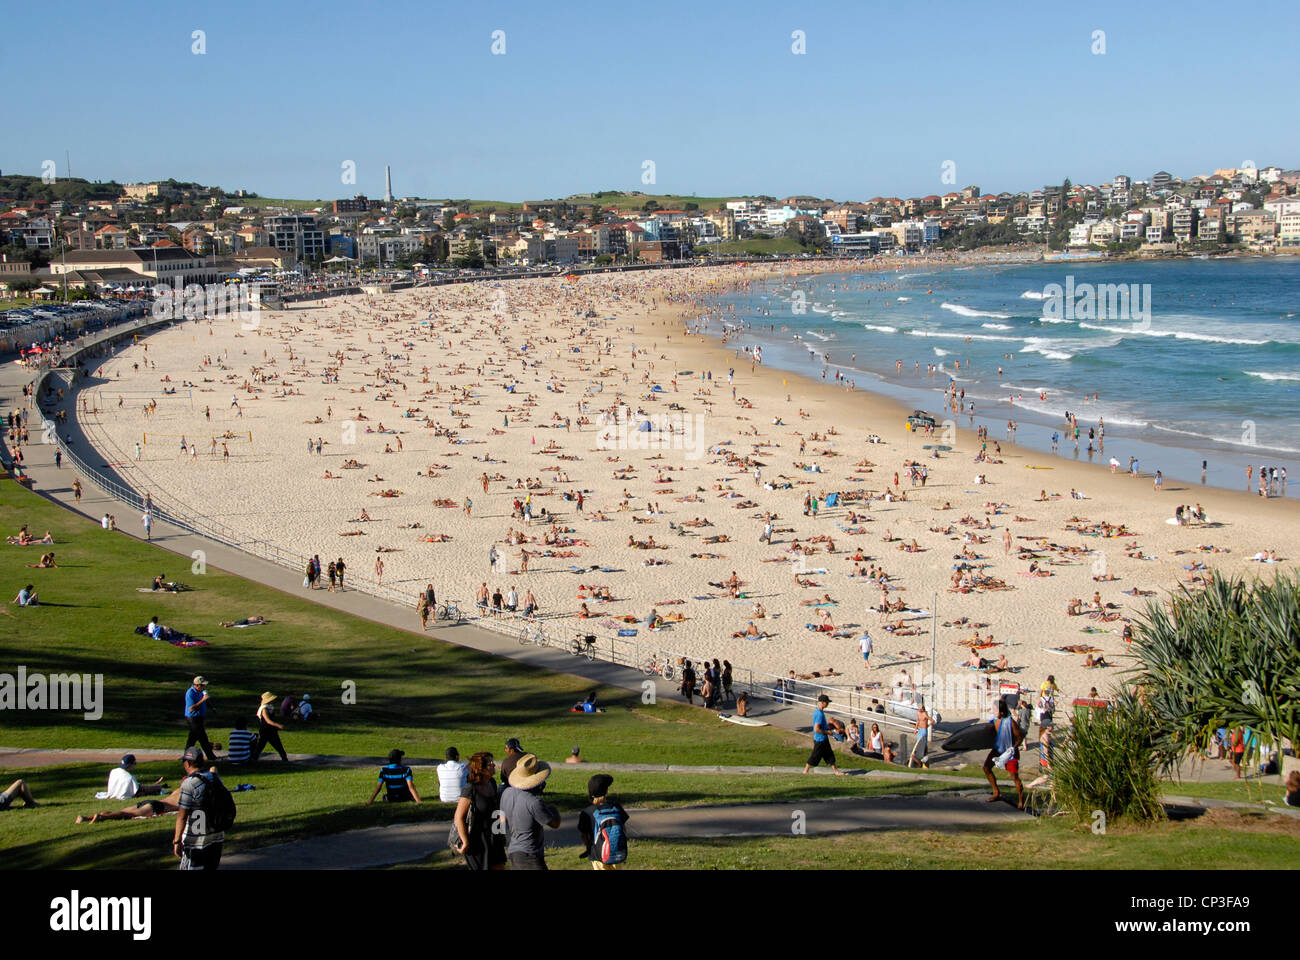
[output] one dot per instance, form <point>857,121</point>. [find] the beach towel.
<point>627,633</point>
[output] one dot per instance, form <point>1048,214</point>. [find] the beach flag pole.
<point>934,632</point>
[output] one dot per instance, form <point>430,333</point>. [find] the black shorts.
<point>157,806</point>
<point>821,751</point>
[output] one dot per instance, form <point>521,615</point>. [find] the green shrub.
<point>1105,762</point>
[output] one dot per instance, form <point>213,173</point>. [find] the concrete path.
<point>403,843</point>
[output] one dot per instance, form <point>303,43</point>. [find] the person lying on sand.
<point>246,622</point>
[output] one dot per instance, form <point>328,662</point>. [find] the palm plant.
<point>1225,656</point>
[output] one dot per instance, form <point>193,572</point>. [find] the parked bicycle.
<point>584,645</point>
<point>449,610</point>
<point>531,633</point>
<point>659,666</point>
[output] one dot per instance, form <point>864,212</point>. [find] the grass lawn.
<point>295,801</point>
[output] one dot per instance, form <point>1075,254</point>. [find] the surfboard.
<point>1028,467</point>
<point>742,721</point>
<point>977,736</point>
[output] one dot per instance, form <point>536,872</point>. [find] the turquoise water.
<point>1203,365</point>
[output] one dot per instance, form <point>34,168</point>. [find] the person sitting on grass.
<point>26,597</point>
<point>240,742</point>
<point>16,789</point>
<point>122,784</point>
<point>397,780</point>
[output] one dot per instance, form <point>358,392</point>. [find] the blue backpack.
<point>609,838</point>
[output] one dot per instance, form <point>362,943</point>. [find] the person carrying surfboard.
<point>1005,753</point>
<point>822,726</point>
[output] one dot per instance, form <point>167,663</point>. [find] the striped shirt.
<point>396,778</point>
<point>239,745</point>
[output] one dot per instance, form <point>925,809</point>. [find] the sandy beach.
<point>513,392</point>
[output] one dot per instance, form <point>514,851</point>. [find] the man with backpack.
<point>603,826</point>
<point>207,811</point>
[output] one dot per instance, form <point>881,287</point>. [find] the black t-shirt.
<point>507,765</point>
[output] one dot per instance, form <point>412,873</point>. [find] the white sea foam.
<point>1271,376</point>
<point>819,336</point>
<point>1176,334</point>
<point>995,326</point>
<point>941,353</point>
<point>904,299</point>
<point>944,335</point>
<point>962,311</point>
<point>1033,295</point>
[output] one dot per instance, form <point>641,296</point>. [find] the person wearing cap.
<point>268,731</point>
<point>451,777</point>
<point>821,740</point>
<point>513,752</point>
<point>526,814</point>
<point>593,817</point>
<point>397,780</point>
<point>196,711</point>
<point>122,784</point>
<point>198,847</point>
<point>305,709</point>
<point>574,756</point>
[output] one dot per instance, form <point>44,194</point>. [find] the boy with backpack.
<point>207,811</point>
<point>603,826</point>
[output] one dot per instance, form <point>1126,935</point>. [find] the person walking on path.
<point>195,841</point>
<point>339,567</point>
<point>147,520</point>
<point>268,731</point>
<point>921,747</point>
<point>821,739</point>
<point>1005,753</point>
<point>526,814</point>
<point>196,711</point>
<point>476,812</point>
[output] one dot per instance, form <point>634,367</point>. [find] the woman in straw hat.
<point>268,731</point>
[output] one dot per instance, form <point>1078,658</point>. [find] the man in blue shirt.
<point>821,740</point>
<point>397,779</point>
<point>196,711</point>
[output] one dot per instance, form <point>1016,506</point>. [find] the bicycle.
<point>449,610</point>
<point>584,644</point>
<point>531,633</point>
<point>659,666</point>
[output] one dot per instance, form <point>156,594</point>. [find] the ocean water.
<point>1203,365</point>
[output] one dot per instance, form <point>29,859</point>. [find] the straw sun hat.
<point>529,772</point>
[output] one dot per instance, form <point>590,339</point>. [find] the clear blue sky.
<point>711,92</point>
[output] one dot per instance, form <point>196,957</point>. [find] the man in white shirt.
<point>864,645</point>
<point>451,777</point>
<point>122,785</point>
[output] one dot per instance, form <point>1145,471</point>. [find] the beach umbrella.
<point>656,389</point>
<point>644,427</point>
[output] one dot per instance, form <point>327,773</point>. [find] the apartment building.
<point>297,233</point>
